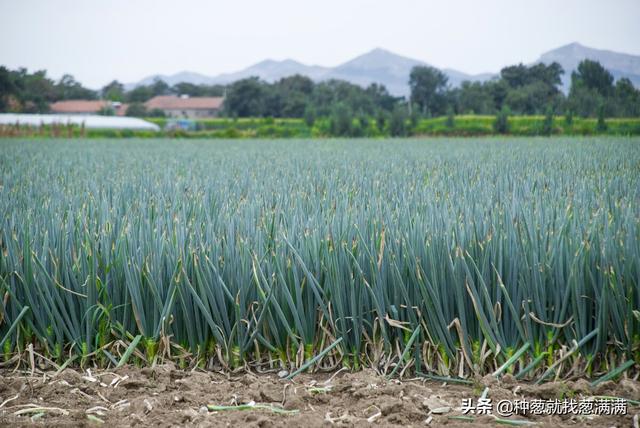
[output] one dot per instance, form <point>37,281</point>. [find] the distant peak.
<point>266,62</point>
<point>275,61</point>
<point>575,46</point>
<point>380,51</point>
<point>378,55</point>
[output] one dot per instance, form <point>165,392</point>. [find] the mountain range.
<point>569,56</point>
<point>392,70</point>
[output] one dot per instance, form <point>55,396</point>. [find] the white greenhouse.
<point>90,122</point>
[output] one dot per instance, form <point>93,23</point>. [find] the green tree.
<point>356,128</point>
<point>159,87</point>
<point>381,121</point>
<point>363,122</point>
<point>273,101</point>
<point>530,89</point>
<point>398,122</point>
<point>341,120</point>
<point>501,123</point>
<point>520,75</point>
<point>428,86</point>
<point>627,99</point>
<point>309,116</point>
<point>35,90</point>
<point>547,123</point>
<point>139,94</point>
<point>414,115</point>
<point>68,88</point>
<point>380,97</point>
<point>295,94</point>
<point>293,105</point>
<point>499,90</point>
<point>193,90</point>
<point>364,101</point>
<point>592,75</point>
<point>601,126</point>
<point>584,101</point>
<point>591,89</point>
<point>296,83</point>
<point>568,118</point>
<point>246,98</point>
<point>21,91</point>
<point>475,98</point>
<point>8,88</point>
<point>450,122</point>
<point>114,91</point>
<point>136,110</point>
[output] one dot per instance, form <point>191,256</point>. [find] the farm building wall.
<point>191,113</point>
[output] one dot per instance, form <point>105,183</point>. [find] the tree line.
<point>24,92</point>
<point>21,91</point>
<point>518,89</point>
<point>528,90</point>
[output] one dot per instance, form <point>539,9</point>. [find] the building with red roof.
<point>186,107</point>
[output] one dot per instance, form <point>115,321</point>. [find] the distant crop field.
<point>324,127</point>
<point>446,257</point>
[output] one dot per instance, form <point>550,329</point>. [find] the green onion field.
<point>443,257</point>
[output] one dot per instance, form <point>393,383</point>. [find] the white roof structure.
<point>90,121</point>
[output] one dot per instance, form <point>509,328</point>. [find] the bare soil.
<point>166,397</point>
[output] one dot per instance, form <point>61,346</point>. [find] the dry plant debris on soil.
<point>166,396</point>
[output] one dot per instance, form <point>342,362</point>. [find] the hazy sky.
<point>98,41</point>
